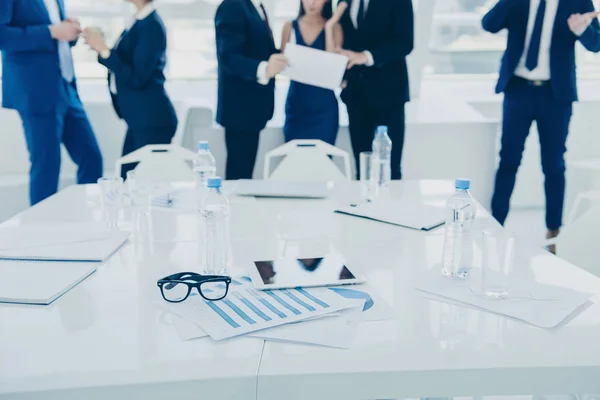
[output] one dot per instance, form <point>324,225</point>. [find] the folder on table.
<point>39,282</point>
<point>282,189</point>
<point>60,242</point>
<point>412,216</point>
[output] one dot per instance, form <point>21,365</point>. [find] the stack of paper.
<point>407,215</point>
<point>319,316</point>
<point>60,242</point>
<point>541,305</point>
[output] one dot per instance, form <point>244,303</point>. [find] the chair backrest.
<point>577,242</point>
<point>160,163</point>
<point>306,161</point>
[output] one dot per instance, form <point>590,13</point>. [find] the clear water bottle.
<point>205,167</point>
<point>215,217</point>
<point>381,167</point>
<point>457,258</point>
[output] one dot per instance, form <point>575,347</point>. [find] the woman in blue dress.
<point>312,112</point>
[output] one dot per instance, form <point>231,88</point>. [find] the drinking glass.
<point>498,258</point>
<point>365,174</point>
<point>110,199</point>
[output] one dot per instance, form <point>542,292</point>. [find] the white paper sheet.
<point>64,242</point>
<point>282,189</point>
<point>541,305</point>
<point>246,310</point>
<point>315,67</point>
<point>413,216</point>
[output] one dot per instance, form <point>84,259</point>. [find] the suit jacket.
<point>243,41</point>
<point>514,16</point>
<point>388,33</point>
<point>30,64</point>
<point>138,64</point>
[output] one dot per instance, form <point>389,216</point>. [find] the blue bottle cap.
<point>381,129</point>
<point>214,183</point>
<point>463,183</point>
<point>203,145</point>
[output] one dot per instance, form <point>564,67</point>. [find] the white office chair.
<point>307,161</point>
<point>577,242</point>
<point>160,163</point>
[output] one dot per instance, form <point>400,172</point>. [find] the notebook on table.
<point>40,282</point>
<point>412,216</point>
<point>64,242</point>
<point>282,189</point>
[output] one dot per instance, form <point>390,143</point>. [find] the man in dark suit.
<point>248,62</point>
<point>538,79</point>
<point>378,35</point>
<point>39,82</point>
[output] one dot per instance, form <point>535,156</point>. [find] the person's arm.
<point>28,38</point>
<point>498,17</point>
<point>285,36</point>
<point>402,39</point>
<point>334,36</point>
<point>147,54</point>
<point>589,33</point>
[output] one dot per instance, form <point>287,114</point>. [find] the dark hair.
<point>326,13</point>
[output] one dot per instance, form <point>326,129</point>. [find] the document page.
<point>315,67</point>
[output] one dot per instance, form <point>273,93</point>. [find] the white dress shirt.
<point>138,16</point>
<point>64,48</point>
<point>354,17</point>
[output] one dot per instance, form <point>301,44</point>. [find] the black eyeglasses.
<point>177,287</point>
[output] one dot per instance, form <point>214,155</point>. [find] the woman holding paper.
<point>312,112</point>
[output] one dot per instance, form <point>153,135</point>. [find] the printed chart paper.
<point>246,310</point>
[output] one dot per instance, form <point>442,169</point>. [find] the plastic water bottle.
<point>381,167</point>
<point>457,255</point>
<point>205,167</point>
<point>215,216</point>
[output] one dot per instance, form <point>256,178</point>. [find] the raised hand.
<point>95,39</point>
<point>337,15</point>
<point>578,23</point>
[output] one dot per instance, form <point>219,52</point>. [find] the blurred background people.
<point>538,79</point>
<point>136,79</point>
<point>312,112</point>
<point>248,62</point>
<point>39,82</point>
<point>378,35</point>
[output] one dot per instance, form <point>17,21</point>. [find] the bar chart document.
<point>246,310</point>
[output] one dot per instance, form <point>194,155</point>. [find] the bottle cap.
<point>202,145</point>
<point>463,183</point>
<point>381,129</point>
<point>214,183</point>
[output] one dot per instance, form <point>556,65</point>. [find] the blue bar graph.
<point>270,306</point>
<point>312,298</point>
<point>222,314</point>
<point>297,300</point>
<point>251,306</point>
<point>282,302</point>
<point>239,312</point>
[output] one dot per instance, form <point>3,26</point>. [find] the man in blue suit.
<point>39,82</point>
<point>539,83</point>
<point>248,62</point>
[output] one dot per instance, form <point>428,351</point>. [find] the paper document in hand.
<point>315,67</point>
<point>246,310</point>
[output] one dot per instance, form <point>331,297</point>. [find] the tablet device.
<point>292,272</point>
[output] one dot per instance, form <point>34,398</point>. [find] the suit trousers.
<point>242,147</point>
<point>364,119</point>
<point>136,138</point>
<point>67,124</point>
<point>525,103</point>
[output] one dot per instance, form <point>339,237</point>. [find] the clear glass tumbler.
<point>111,190</point>
<point>498,250</point>
<point>365,174</point>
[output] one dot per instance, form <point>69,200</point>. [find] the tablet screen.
<point>292,272</point>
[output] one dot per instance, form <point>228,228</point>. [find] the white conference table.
<point>109,337</point>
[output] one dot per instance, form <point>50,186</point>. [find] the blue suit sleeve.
<point>230,38</point>
<point>498,18</point>
<point>27,38</point>
<point>590,39</point>
<point>402,40</point>
<point>147,54</point>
